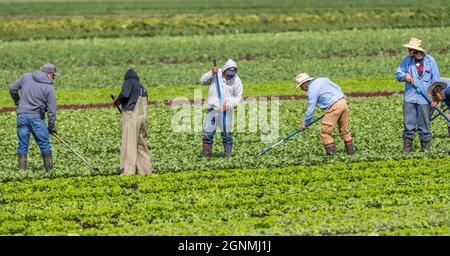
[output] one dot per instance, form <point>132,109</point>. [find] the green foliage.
<point>341,199</point>
<point>101,63</point>
<point>78,19</point>
<point>376,127</point>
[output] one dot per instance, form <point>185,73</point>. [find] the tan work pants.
<point>134,153</point>
<point>336,114</point>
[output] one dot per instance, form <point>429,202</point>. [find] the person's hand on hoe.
<point>225,107</point>
<point>52,130</point>
<point>434,104</point>
<point>215,70</point>
<point>409,79</point>
<point>303,127</point>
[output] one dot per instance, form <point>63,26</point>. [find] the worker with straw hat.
<point>418,70</point>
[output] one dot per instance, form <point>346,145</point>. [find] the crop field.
<point>292,190</point>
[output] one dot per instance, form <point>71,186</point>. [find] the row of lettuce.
<point>101,63</point>
<point>14,27</point>
<point>175,135</point>
<point>340,199</point>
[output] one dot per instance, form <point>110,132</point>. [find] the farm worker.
<point>231,91</point>
<point>325,94</point>
<point>134,153</point>
<point>37,97</point>
<point>440,92</point>
<point>420,69</point>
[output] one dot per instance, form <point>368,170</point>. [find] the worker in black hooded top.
<point>134,153</point>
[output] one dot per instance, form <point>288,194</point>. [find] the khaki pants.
<point>336,114</point>
<point>134,153</point>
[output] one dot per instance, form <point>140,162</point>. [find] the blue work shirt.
<point>430,75</point>
<point>321,93</point>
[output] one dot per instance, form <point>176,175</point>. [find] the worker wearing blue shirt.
<point>327,95</point>
<point>421,70</point>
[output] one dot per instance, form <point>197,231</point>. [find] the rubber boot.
<point>48,162</point>
<point>207,150</point>
<point>425,146</point>
<point>23,161</point>
<point>407,145</point>
<point>227,150</point>
<point>349,147</point>
<point>330,149</point>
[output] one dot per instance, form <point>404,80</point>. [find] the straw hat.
<point>303,77</point>
<point>415,44</point>
<point>434,88</point>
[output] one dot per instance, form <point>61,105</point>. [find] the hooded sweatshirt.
<point>231,90</point>
<point>131,90</point>
<point>37,97</point>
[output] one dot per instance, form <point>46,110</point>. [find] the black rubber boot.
<point>407,145</point>
<point>425,146</point>
<point>227,151</point>
<point>23,161</point>
<point>48,162</point>
<point>330,149</point>
<point>207,150</point>
<point>349,147</point>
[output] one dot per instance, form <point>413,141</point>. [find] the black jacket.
<point>131,90</point>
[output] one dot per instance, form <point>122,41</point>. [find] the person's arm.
<point>402,70</point>
<point>51,110</point>
<point>14,90</point>
<point>125,93</point>
<point>237,94</point>
<point>206,78</point>
<point>313,96</point>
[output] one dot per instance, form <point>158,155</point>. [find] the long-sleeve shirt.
<point>429,76</point>
<point>323,93</point>
<point>231,90</point>
<point>38,95</point>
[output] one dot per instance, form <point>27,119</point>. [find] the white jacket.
<point>231,90</point>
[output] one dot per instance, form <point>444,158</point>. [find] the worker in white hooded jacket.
<point>221,108</point>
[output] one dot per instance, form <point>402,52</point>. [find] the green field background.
<point>292,190</point>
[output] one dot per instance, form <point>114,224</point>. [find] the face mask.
<point>230,73</point>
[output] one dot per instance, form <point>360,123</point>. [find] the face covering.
<point>230,73</point>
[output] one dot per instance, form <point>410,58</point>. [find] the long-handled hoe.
<point>76,153</point>
<point>287,137</point>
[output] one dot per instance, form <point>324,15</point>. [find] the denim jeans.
<point>35,124</point>
<point>213,120</point>
<point>416,115</point>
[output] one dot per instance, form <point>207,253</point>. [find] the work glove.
<point>52,130</point>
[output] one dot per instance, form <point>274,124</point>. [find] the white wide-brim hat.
<point>301,78</point>
<point>415,44</point>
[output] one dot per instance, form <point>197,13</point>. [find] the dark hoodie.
<point>131,90</point>
<point>37,97</point>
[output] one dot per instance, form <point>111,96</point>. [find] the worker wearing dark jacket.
<point>37,97</point>
<point>134,153</point>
